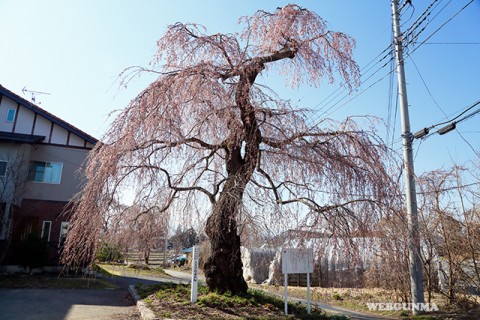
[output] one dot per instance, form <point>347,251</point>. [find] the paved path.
<point>117,304</point>
<point>73,304</point>
<point>183,276</point>
<point>69,304</point>
<point>354,315</point>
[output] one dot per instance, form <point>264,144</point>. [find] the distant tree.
<point>134,227</point>
<point>109,252</point>
<point>389,265</point>
<point>176,240</point>
<point>206,127</point>
<point>185,239</point>
<point>449,228</point>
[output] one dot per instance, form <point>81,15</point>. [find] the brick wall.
<point>29,218</point>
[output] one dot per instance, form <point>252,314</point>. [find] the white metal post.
<point>285,291</point>
<point>194,285</point>
<point>308,293</point>
<point>165,246</point>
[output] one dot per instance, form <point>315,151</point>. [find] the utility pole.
<point>415,264</point>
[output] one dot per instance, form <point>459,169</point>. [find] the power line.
<point>470,145</point>
<point>395,117</point>
<point>424,133</point>
<point>360,93</point>
<point>390,99</point>
<point>469,115</point>
<point>403,194</point>
<point>410,34</point>
<point>416,24</point>
<point>450,43</point>
<point>452,124</point>
<point>404,4</point>
<point>363,72</point>
<point>458,116</point>
<point>426,87</point>
<point>411,15</point>
<point>450,188</point>
<point>341,90</point>
<point>423,16</point>
<point>333,100</point>
<point>315,121</point>
<point>436,103</point>
<point>440,27</point>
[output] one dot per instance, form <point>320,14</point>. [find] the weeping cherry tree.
<point>205,129</point>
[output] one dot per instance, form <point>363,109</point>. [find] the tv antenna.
<point>33,93</point>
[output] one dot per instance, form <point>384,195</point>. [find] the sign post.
<point>308,293</point>
<point>285,291</point>
<point>194,285</point>
<point>297,261</point>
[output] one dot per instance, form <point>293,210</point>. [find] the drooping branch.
<point>205,127</point>
<point>210,196</point>
<point>302,136</point>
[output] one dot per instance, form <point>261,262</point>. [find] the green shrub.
<point>404,313</point>
<point>108,252</point>
<point>337,297</point>
<point>32,252</point>
<point>139,267</point>
<point>227,301</point>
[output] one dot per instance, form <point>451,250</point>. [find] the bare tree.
<point>450,231</point>
<point>134,227</point>
<point>207,132</point>
<point>144,229</point>
<point>388,267</point>
<point>12,188</point>
<point>470,216</point>
<point>428,224</point>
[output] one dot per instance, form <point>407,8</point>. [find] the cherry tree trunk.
<point>224,268</point>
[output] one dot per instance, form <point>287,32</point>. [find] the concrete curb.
<point>145,311</point>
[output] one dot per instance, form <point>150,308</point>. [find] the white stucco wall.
<point>30,122</point>
<point>59,135</point>
<point>76,141</point>
<point>42,128</point>
<point>24,121</point>
<point>4,106</point>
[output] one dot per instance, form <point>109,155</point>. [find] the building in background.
<point>40,158</point>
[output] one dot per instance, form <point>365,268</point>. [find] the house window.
<point>3,168</point>
<point>63,233</point>
<point>26,231</point>
<point>46,228</point>
<point>46,172</point>
<point>11,115</point>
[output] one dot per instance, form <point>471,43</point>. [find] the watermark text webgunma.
<point>387,306</point>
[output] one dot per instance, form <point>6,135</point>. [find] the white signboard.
<point>297,260</point>
<point>194,287</point>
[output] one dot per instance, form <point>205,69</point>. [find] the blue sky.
<point>75,50</point>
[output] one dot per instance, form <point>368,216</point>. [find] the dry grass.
<point>131,270</point>
<point>357,299</point>
<point>173,301</point>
